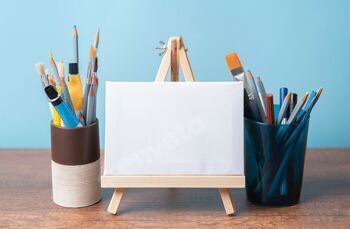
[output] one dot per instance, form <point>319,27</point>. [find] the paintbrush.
<point>45,82</point>
<point>236,69</point>
<point>42,76</point>
<point>64,88</point>
<point>54,69</point>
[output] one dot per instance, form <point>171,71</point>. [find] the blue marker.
<point>68,117</point>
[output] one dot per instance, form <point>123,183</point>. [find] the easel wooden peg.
<point>174,57</point>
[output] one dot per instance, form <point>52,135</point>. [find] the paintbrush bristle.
<point>60,68</point>
<point>52,61</point>
<point>52,81</point>
<point>232,61</point>
<point>40,69</point>
<point>92,52</point>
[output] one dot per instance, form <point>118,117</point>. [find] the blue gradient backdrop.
<point>299,44</point>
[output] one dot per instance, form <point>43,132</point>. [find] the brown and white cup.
<point>75,165</point>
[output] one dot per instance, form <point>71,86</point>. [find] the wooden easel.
<point>174,57</point>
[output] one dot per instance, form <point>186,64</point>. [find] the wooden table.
<point>25,199</point>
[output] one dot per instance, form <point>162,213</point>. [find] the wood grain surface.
<point>26,200</point>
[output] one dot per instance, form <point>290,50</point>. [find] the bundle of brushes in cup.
<point>70,106</point>
<point>275,133</point>
<point>259,105</point>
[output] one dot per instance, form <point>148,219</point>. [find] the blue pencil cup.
<point>274,162</point>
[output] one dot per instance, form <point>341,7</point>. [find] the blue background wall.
<point>299,44</point>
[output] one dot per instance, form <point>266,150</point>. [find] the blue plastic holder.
<point>274,161</point>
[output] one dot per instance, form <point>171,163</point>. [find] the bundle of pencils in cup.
<point>290,119</point>
<point>69,106</point>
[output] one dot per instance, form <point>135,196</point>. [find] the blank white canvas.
<point>168,128</point>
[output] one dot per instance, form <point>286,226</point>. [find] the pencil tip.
<point>75,31</point>
<point>60,69</point>
<point>92,51</point>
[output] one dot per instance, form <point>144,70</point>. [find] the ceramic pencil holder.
<point>75,164</point>
<point>274,162</point>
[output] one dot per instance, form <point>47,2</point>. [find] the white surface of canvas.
<point>174,128</point>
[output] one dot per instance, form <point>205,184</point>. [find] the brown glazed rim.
<point>75,146</point>
<point>74,128</point>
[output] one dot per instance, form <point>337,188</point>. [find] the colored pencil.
<point>90,106</point>
<point>88,79</point>
<point>297,108</point>
<point>255,97</point>
<point>309,106</point>
<point>270,119</point>
<point>261,92</point>
<point>293,102</point>
<point>75,46</point>
<point>97,39</point>
<point>283,94</point>
<point>284,108</point>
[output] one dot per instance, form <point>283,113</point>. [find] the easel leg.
<point>226,200</point>
<point>115,201</point>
